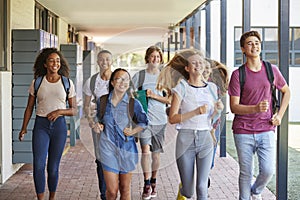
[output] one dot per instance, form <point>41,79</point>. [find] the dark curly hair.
<point>40,70</point>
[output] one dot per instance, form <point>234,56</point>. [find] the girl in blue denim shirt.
<point>118,150</point>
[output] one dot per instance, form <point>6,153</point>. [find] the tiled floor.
<point>78,178</point>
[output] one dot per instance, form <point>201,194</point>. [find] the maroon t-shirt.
<point>256,89</point>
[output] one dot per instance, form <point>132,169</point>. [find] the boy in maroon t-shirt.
<point>254,123</point>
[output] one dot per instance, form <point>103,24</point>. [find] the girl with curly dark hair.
<point>50,130</point>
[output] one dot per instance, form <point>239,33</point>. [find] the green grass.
<point>293,166</point>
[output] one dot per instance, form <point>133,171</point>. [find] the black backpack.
<point>92,84</point>
<point>141,79</point>
<point>242,79</point>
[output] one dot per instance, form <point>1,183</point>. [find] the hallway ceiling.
<point>124,25</point>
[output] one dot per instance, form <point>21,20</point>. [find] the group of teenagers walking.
<point>192,86</point>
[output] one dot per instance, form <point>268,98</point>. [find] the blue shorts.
<point>109,169</point>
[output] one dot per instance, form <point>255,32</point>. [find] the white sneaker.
<point>256,197</point>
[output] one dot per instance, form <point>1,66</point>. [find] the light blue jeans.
<point>263,144</point>
<point>217,135</point>
<point>192,147</point>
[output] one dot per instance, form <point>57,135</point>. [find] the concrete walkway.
<point>78,179</point>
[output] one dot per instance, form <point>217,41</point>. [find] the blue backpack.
<point>65,82</point>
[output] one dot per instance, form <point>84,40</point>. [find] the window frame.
<point>3,35</point>
<point>45,19</point>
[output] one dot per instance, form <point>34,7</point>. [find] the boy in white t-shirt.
<point>100,87</point>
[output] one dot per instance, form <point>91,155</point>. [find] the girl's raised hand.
<point>202,109</point>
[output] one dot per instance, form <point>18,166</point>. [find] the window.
<point>297,38</point>
<point>238,59</point>
<point>71,34</point>
<point>295,45</point>
<point>45,20</point>
<point>297,59</point>
<point>272,57</point>
<point>269,39</point>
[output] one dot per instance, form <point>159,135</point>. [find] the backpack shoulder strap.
<point>37,84</point>
<point>132,116</point>
<point>242,78</point>
<point>270,74</point>
<point>141,79</point>
<point>103,101</point>
<point>92,84</point>
<point>131,107</point>
<point>269,71</point>
<point>66,83</point>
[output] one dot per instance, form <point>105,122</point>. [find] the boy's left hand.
<point>276,120</point>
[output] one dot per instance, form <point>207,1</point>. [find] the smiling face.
<point>251,47</point>
<point>196,65</point>
<point>104,61</point>
<point>52,63</point>
<point>121,81</point>
<point>154,59</point>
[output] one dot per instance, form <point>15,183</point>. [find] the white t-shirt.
<point>192,97</point>
<point>101,87</point>
<point>51,96</point>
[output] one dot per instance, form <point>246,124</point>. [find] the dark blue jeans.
<point>48,139</point>
<point>102,185</point>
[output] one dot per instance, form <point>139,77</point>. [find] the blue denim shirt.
<point>116,151</point>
